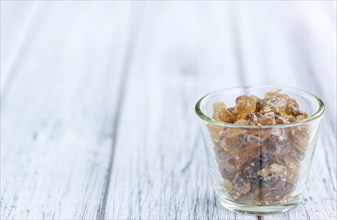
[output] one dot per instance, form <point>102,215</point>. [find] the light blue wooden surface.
<point>97,101</point>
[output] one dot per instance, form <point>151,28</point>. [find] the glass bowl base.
<point>261,210</point>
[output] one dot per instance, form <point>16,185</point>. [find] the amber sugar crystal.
<point>260,166</point>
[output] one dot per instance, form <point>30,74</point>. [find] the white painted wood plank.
<point>58,114</point>
<point>160,161</point>
<point>19,21</point>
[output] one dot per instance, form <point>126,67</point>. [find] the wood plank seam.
<point>131,44</point>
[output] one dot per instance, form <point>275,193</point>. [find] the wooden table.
<point>97,101</point>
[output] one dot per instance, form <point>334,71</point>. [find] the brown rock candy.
<point>221,113</point>
<point>260,166</point>
<point>244,105</point>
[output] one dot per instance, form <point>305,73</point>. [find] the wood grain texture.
<point>59,112</point>
<point>97,102</point>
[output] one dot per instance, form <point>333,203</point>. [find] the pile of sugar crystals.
<point>260,166</point>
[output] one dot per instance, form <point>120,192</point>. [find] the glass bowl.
<point>259,169</point>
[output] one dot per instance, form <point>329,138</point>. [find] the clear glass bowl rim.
<point>208,119</point>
